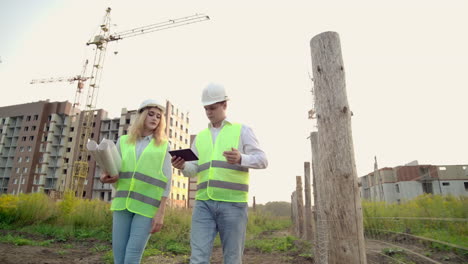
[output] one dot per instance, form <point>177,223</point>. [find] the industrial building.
<point>402,183</point>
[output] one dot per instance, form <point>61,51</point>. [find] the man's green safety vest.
<point>217,179</point>
<point>141,183</point>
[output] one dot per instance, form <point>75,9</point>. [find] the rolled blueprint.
<point>110,156</point>
<point>106,155</point>
<point>115,153</point>
<point>92,147</point>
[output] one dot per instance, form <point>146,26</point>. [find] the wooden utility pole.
<point>321,224</point>
<point>341,202</point>
<point>300,206</point>
<point>308,203</point>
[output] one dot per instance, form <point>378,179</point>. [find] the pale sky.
<point>405,65</point>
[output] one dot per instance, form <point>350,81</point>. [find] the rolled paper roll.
<point>92,147</point>
<point>105,150</point>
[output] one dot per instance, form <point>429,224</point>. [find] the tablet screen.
<point>186,154</point>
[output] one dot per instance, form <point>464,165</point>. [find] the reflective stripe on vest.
<point>141,183</point>
<point>218,179</point>
<point>139,197</point>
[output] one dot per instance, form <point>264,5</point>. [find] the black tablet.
<point>186,154</point>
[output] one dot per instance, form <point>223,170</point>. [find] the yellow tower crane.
<point>80,164</point>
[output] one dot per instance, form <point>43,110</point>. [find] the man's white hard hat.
<point>213,93</point>
<point>151,103</point>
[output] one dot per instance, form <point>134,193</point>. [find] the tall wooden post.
<point>308,203</point>
<point>254,205</point>
<point>341,203</point>
<point>300,206</point>
<point>321,224</point>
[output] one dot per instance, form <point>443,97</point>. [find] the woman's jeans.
<point>130,233</point>
<point>210,217</point>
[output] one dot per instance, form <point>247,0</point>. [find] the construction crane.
<point>80,165</point>
<point>80,78</point>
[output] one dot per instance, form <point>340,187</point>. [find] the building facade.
<point>33,139</point>
<point>404,183</point>
<point>192,191</point>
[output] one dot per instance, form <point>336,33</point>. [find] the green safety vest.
<point>217,179</point>
<point>141,183</point>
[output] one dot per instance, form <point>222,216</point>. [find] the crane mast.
<point>80,165</point>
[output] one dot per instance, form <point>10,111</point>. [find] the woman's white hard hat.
<point>213,93</point>
<point>151,103</point>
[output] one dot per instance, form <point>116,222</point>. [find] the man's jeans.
<point>130,233</point>
<point>210,217</point>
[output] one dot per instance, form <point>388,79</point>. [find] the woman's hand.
<point>106,178</point>
<point>157,222</point>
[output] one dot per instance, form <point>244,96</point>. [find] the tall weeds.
<point>421,217</point>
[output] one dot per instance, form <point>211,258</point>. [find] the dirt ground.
<point>79,252</point>
<point>11,254</point>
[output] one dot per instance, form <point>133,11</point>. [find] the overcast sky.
<point>406,64</point>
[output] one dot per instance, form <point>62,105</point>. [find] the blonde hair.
<point>137,127</point>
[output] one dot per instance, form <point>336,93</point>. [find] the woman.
<point>143,183</point>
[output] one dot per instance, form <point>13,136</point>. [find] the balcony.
<point>49,184</point>
<point>12,152</point>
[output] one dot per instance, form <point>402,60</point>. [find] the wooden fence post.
<point>308,203</point>
<point>294,217</point>
<point>300,206</point>
<point>341,201</point>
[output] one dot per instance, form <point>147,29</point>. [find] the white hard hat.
<point>213,93</point>
<point>150,103</point>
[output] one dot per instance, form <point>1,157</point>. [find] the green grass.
<point>397,254</point>
<point>424,206</point>
<point>275,244</point>
<point>21,241</point>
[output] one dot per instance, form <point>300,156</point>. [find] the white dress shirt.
<point>251,154</point>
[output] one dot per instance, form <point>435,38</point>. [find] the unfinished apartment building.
<point>33,139</point>
<point>177,131</point>
<point>179,138</point>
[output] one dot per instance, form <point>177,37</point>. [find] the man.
<point>226,151</point>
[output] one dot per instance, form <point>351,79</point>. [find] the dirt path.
<point>11,254</point>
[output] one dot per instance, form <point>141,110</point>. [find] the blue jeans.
<point>210,217</point>
<point>130,233</point>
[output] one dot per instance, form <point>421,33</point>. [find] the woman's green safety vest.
<point>141,183</point>
<point>217,179</point>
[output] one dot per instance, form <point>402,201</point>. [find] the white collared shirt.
<point>251,154</point>
<point>140,145</point>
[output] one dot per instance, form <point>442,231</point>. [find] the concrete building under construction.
<point>34,146</point>
<point>38,144</point>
